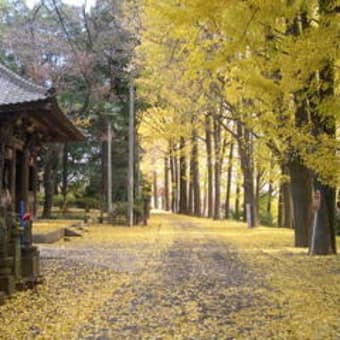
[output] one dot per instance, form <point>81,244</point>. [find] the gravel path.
<point>179,278</point>
<point>186,290</point>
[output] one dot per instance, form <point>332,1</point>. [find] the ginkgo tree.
<point>270,68</point>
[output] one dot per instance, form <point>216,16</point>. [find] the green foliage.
<point>87,203</point>
<point>40,198</point>
<point>267,219</point>
<point>338,221</point>
<point>59,202</point>
<point>88,69</point>
<point>236,216</point>
<point>121,208</point>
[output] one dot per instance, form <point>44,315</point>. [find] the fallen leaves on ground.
<point>179,278</point>
<point>47,226</point>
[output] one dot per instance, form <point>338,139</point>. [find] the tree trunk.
<point>246,157</point>
<point>217,168</point>
<point>270,198</point>
<point>104,184</point>
<point>191,186</point>
<point>244,205</point>
<point>166,184</point>
<point>155,190</point>
<point>205,196</point>
<point>270,189</point>
<point>196,176</point>
<point>288,221</point>
<point>48,181</point>
<point>249,199</point>
<point>237,202</point>
<point>323,239</point>
<point>280,207</point>
<point>301,181</point>
<point>64,183</point>
<point>52,161</point>
<point>229,177</point>
<point>285,218</point>
<point>174,178</point>
<point>208,141</point>
<point>137,172</point>
<point>257,196</point>
<point>183,201</point>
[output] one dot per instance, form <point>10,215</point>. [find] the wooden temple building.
<point>29,119</point>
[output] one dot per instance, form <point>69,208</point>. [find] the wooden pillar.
<point>35,187</point>
<point>2,164</point>
<point>13,176</point>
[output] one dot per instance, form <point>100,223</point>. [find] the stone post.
<point>7,280</point>
<point>16,232</point>
<point>30,259</point>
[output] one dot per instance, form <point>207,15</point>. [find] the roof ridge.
<point>29,85</point>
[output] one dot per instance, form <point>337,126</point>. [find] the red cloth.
<point>27,217</point>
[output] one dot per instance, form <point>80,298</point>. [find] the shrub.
<point>87,203</point>
<point>267,219</point>
<point>337,222</point>
<point>58,201</point>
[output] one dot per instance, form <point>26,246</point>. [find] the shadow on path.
<point>189,290</point>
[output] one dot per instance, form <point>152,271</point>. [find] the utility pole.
<point>109,165</point>
<point>131,153</point>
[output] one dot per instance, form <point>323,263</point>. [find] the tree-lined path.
<point>187,285</point>
<point>179,278</point>
<point>213,111</point>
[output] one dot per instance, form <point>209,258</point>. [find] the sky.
<point>90,3</point>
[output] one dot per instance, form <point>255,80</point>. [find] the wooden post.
<point>109,166</point>
<point>2,164</point>
<point>35,188</point>
<point>13,178</point>
<point>131,154</point>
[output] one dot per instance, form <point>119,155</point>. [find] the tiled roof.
<point>15,89</point>
<point>17,93</point>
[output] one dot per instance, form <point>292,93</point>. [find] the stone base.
<point>7,280</point>
<point>20,286</point>
<point>30,264</point>
<point>2,298</point>
<point>15,252</point>
<point>50,237</point>
<point>7,284</point>
<point>6,264</point>
<point>71,232</point>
